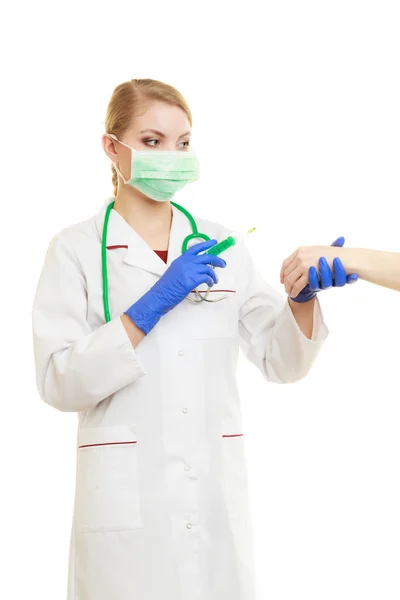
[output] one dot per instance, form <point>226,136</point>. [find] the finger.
<point>352,278</point>
<point>284,266</point>
<point>291,279</point>
<point>281,274</point>
<point>210,259</point>
<point>204,279</point>
<point>209,282</point>
<point>196,248</point>
<point>209,272</point>
<point>287,262</point>
<point>299,286</point>
<point>339,274</point>
<point>325,273</point>
<point>290,268</point>
<point>288,286</point>
<point>339,242</point>
<point>313,279</point>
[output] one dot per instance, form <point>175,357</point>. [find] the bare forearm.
<point>375,266</point>
<point>135,334</point>
<point>304,315</point>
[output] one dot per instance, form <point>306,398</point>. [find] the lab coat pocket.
<point>215,319</point>
<point>107,485</point>
<point>234,475</point>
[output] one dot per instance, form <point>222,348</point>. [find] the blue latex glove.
<point>184,274</point>
<point>327,279</point>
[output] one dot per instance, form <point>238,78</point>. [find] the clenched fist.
<point>313,268</point>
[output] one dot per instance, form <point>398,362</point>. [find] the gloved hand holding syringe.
<point>231,240</point>
<point>183,277</point>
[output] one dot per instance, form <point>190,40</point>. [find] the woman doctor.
<point>122,337</point>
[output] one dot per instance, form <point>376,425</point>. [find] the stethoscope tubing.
<point>202,296</point>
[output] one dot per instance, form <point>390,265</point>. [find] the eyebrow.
<point>162,134</point>
<point>153,131</point>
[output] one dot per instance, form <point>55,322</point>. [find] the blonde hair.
<point>125,101</point>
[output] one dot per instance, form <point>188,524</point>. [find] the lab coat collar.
<point>138,253</point>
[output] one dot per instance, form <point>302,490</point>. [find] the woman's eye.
<point>185,144</point>
<point>151,142</point>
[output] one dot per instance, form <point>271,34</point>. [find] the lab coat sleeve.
<point>76,367</point>
<point>269,335</point>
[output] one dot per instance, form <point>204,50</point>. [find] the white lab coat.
<point>161,488</point>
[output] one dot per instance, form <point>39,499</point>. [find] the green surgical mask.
<point>159,174</point>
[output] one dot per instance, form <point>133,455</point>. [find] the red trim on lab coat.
<point>105,444</point>
<point>163,254</point>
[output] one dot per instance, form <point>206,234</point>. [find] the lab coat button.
<point>189,526</point>
<point>184,410</point>
<point>181,353</point>
<point>187,468</point>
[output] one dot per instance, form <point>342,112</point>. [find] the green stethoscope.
<point>202,296</point>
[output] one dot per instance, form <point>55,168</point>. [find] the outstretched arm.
<point>376,266</point>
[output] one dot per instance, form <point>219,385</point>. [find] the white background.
<point>296,122</point>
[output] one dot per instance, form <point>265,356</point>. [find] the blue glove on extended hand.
<point>327,279</point>
<point>184,274</point>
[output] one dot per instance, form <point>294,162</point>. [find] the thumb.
<point>339,242</point>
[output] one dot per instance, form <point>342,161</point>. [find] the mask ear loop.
<point>114,137</point>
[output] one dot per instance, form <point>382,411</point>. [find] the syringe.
<point>232,239</point>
